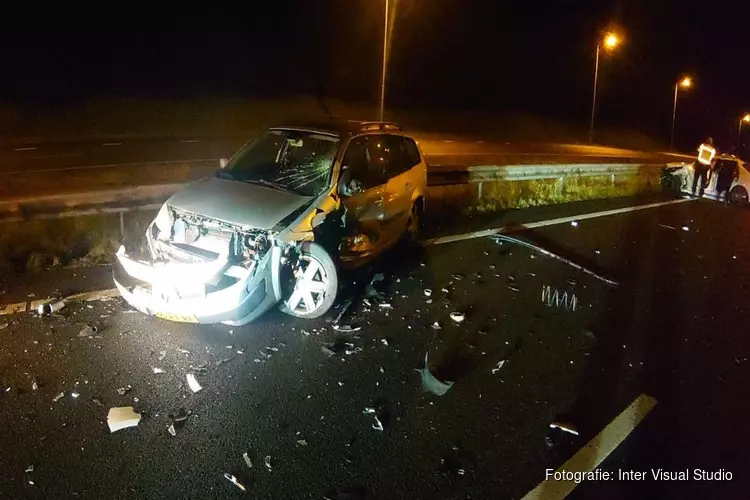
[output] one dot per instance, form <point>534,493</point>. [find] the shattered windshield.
<point>290,160</point>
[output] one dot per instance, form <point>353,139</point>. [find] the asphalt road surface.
<point>673,329</point>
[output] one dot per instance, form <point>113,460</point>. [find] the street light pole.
<point>744,119</point>
<point>685,83</point>
<point>385,62</point>
<point>593,101</point>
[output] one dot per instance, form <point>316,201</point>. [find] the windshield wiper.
<point>264,182</point>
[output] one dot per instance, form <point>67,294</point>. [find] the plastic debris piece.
<point>498,366</point>
<point>302,442</point>
<point>158,370</point>
<point>193,383</point>
<point>3,326</point>
<point>666,226</point>
<point>267,462</point>
<point>458,317</point>
<point>430,383</point>
<point>162,355</point>
<point>182,351</point>
<point>34,385</point>
<point>369,411</point>
<point>597,252</point>
<point>436,326</point>
<point>427,292</point>
<point>30,468</point>
<point>457,277</point>
<point>74,395</point>
<point>50,308</point>
<point>378,425</point>
<point>685,228</point>
<point>574,223</point>
<point>172,430</point>
<point>234,481</point>
<point>346,328</point>
<point>385,305</point>
<point>305,333</point>
<point>123,390</point>
<point>97,402</point>
<point>87,331</point>
<point>384,341</point>
<point>58,397</point>
<point>513,288</point>
<point>247,460</point>
<point>122,418</point>
<point>565,427</point>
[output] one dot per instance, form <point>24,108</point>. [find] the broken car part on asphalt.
<point>553,297</point>
<point>565,426</point>
<point>50,308</point>
<point>543,251</point>
<point>193,383</point>
<point>122,418</point>
<point>234,481</point>
<point>430,383</point>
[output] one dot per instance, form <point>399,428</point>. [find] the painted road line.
<point>33,305</point>
<point>112,144</point>
<point>588,458</point>
<point>552,222</point>
<point>25,149</point>
<point>189,141</point>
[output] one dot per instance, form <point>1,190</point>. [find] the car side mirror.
<point>223,162</point>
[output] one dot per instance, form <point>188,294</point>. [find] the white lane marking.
<point>112,144</point>
<point>562,220</point>
<point>596,451</point>
<point>24,149</point>
<point>189,141</point>
<point>32,305</point>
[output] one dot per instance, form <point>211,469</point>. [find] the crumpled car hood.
<point>237,202</point>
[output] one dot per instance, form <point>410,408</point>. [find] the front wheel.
<point>315,284</point>
<point>738,196</point>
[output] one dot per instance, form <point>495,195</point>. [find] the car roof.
<point>341,128</point>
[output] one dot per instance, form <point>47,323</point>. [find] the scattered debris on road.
<point>247,460</point>
<point>344,308</point>
<point>34,385</point>
<point>574,223</point>
<point>346,328</point>
<point>267,462</point>
<point>30,468</point>
<point>302,442</point>
<point>122,418</point>
<point>172,430</point>
<point>430,383</point>
<point>378,425</point>
<point>58,397</point>
<point>162,355</point>
<point>158,370</point>
<point>427,292</point>
<point>369,411</point>
<point>193,383</point>
<point>3,326</point>
<point>544,251</point>
<point>668,227</point>
<point>436,326</point>
<point>498,366</point>
<point>234,481</point>
<point>124,390</point>
<point>384,341</point>
<point>685,228</point>
<point>553,297</point>
<point>458,317</point>
<point>565,427</point>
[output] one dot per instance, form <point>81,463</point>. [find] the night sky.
<point>509,56</point>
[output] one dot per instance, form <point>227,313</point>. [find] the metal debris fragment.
<point>458,317</point>
<point>234,481</point>
<point>543,251</point>
<point>498,366</point>
<point>50,307</point>
<point>58,397</point>
<point>565,427</point>
<point>378,425</point>
<point>267,462</point>
<point>193,383</point>
<point>122,418</point>
<point>553,297</point>
<point>247,460</point>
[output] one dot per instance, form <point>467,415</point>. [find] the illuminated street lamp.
<point>385,61</point>
<point>684,83</point>
<point>743,120</point>
<point>611,41</point>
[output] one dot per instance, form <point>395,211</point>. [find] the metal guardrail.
<point>134,198</point>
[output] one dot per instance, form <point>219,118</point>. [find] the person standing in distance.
<point>706,154</point>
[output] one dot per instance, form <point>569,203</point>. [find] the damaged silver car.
<point>277,223</point>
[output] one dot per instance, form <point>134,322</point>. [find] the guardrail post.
<point>122,225</point>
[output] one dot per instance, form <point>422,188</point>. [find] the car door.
<point>362,188</point>
<point>404,158</point>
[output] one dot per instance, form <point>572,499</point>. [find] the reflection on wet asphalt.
<point>314,399</point>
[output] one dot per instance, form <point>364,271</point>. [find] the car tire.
<point>738,196</point>
<point>416,220</point>
<point>317,288</point>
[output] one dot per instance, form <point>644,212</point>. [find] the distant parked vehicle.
<point>679,176</point>
<point>276,221</point>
